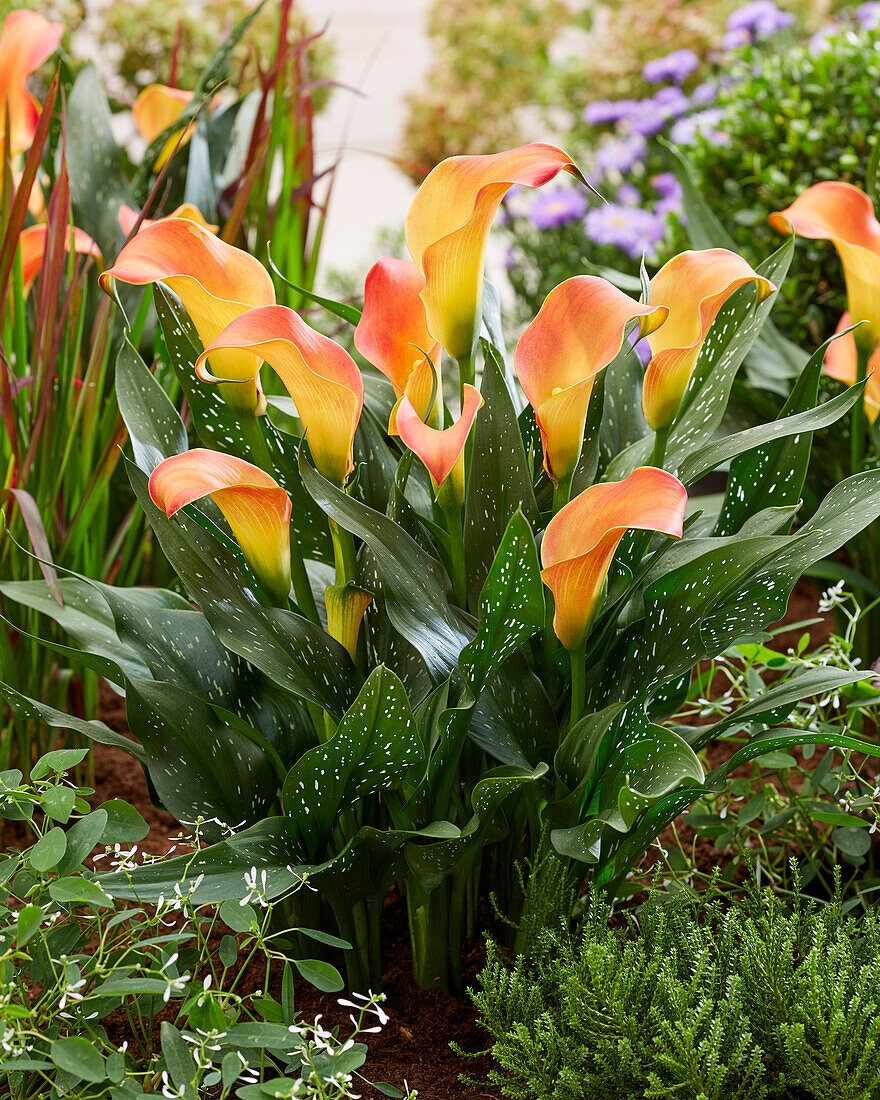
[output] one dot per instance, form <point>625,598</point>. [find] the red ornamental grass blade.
<point>30,513</point>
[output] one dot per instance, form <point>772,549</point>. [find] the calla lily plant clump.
<point>440,609</point>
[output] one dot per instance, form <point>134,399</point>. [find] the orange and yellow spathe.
<point>841,362</point>
<point>255,506</point>
<point>579,329</point>
<point>320,376</point>
<point>442,451</point>
<point>26,41</point>
<point>693,286</point>
<point>840,213</point>
<point>32,243</point>
<point>581,539</point>
<point>157,108</point>
<point>447,229</point>
<point>215,282</point>
<point>392,334</point>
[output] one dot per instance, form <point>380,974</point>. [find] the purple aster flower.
<point>628,195</point>
<point>631,230</point>
<point>869,15</point>
<point>704,94</point>
<point>672,100</point>
<point>759,19</point>
<point>621,156</point>
<point>557,206</point>
<point>675,66</point>
<point>666,185</point>
<point>703,124</point>
<point>821,40</point>
<point>735,40</point>
<point>603,111</point>
<point>647,118</point>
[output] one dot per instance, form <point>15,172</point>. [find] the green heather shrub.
<point>691,999</point>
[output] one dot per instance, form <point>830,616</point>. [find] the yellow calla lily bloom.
<point>392,334</point>
<point>155,109</point>
<point>693,286</point>
<point>579,329</point>
<point>255,506</point>
<point>840,213</point>
<point>26,41</point>
<point>841,362</point>
<point>441,451</point>
<point>320,376</point>
<point>215,282</point>
<point>447,229</point>
<point>346,604</point>
<point>581,539</point>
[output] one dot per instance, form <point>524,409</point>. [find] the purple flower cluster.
<point>869,15</point>
<point>557,206</point>
<point>676,66</point>
<point>704,125</point>
<point>753,21</point>
<point>669,194</point>
<point>631,230</point>
<point>621,155</point>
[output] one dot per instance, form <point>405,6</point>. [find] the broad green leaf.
<point>47,852</point>
<point>178,1055</point>
<point>492,330</point>
<point>28,921</point>
<point>82,837</point>
<point>80,1057</point>
<point>77,890</point>
<point>511,605</point>
<point>58,803</point>
<point>623,423</point>
<point>124,825</point>
<point>322,975</point>
<point>57,761</point>
<point>154,427</point>
<point>499,482</point>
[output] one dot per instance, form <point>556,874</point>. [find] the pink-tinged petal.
<point>579,329</point>
<point>26,41</point>
<point>840,213</point>
<point>32,243</point>
<point>442,451</point>
<point>346,604</point>
<point>392,333</point>
<point>447,229</point>
<point>693,286</point>
<point>320,376</point>
<point>256,508</point>
<point>215,282</point>
<point>128,218</point>
<point>581,539</point>
<point>842,363</point>
<point>155,109</point>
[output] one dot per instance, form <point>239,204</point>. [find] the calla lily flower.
<point>447,229</point>
<point>694,286</point>
<point>26,41</point>
<point>841,362</point>
<point>441,451</point>
<point>256,508</point>
<point>320,376</point>
<point>32,242</point>
<point>581,539</point>
<point>216,283</point>
<point>128,218</point>
<point>346,604</point>
<point>840,213</point>
<point>392,334</point>
<point>154,110</point>
<point>579,329</point>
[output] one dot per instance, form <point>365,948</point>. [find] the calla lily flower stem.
<point>456,552</point>
<point>578,681</point>
<point>658,454</point>
<point>467,373</point>
<point>857,425</point>
<point>562,493</point>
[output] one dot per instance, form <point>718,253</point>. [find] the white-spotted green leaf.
<point>154,426</point>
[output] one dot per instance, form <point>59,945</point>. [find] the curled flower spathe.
<point>442,451</point>
<point>215,282</point>
<point>155,109</point>
<point>26,41</point>
<point>447,229</point>
<point>693,286</point>
<point>581,539</point>
<point>392,334</point>
<point>32,246</point>
<point>255,506</point>
<point>320,376</point>
<point>844,215</point>
<point>579,329</point>
<point>841,362</point>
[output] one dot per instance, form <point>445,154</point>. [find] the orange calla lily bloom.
<point>155,109</point>
<point>840,213</point>
<point>255,506</point>
<point>581,539</point>
<point>216,283</point>
<point>346,604</point>
<point>447,229</point>
<point>841,362</point>
<point>320,376</point>
<point>441,451</point>
<point>694,286</point>
<point>128,218</point>
<point>392,334</point>
<point>579,329</point>
<point>26,41</point>
<point>32,243</point>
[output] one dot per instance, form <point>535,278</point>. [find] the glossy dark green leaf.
<point>154,427</point>
<point>511,605</point>
<point>78,1057</point>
